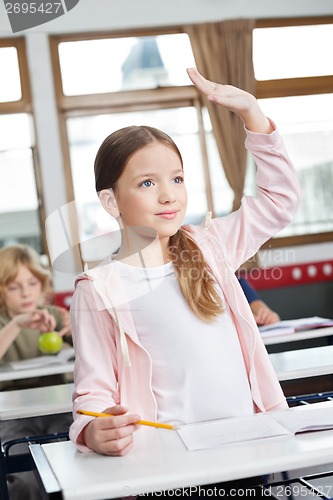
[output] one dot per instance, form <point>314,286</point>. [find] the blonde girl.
<point>22,316</point>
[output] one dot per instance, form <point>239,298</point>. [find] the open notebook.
<point>215,433</point>
<point>64,356</point>
<point>295,325</point>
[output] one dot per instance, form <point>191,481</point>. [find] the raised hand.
<point>238,101</point>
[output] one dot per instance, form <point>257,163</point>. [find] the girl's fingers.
<point>111,435</point>
<point>117,422</point>
<point>205,86</point>
<point>66,329</point>
<point>117,448</point>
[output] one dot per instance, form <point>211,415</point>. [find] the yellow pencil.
<point>140,422</point>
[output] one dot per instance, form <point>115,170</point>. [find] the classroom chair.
<point>21,462</point>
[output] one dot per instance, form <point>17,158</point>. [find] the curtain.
<point>223,54</point>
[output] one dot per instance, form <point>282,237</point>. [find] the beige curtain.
<point>223,54</point>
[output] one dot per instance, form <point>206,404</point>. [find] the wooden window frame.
<point>294,87</point>
<point>24,105</point>
<point>121,101</point>
<point>168,97</point>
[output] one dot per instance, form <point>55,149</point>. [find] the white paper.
<point>62,357</point>
<point>217,433</point>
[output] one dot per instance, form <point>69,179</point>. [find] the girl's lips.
<point>168,215</point>
<point>27,305</point>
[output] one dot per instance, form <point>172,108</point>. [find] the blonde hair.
<point>194,276</point>
<point>11,258</point>
<point>193,273</point>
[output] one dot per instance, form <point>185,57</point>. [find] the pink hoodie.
<point>111,365</point>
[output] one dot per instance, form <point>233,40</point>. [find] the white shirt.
<point>198,368</point>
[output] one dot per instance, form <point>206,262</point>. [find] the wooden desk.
<point>9,373</point>
<point>302,363</point>
<point>36,402</point>
<point>271,339</point>
<point>159,461</point>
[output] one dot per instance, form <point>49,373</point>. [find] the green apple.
<point>49,343</point>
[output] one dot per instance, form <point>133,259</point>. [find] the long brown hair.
<point>193,272</point>
<point>11,257</point>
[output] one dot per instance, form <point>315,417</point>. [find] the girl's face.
<point>151,191</point>
<point>23,294</point>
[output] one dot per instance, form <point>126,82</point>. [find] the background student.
<point>261,312</point>
<point>22,319</point>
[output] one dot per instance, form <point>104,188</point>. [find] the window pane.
<point>293,52</point>
<point>110,65</point>
<point>10,82</point>
<point>221,190</point>
<point>19,215</point>
<point>86,134</point>
<point>307,128</point>
<point>16,131</point>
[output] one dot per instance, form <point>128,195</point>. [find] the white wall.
<point>90,15</point>
<point>95,15</point>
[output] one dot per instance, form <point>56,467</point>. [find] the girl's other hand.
<point>263,314</point>
<point>238,101</point>
<point>66,329</point>
<point>111,435</point>
<point>39,319</point>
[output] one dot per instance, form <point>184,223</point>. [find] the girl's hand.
<point>239,101</point>
<point>111,435</point>
<point>263,314</point>
<point>39,319</point>
<point>66,329</point>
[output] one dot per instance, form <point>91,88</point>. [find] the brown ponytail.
<point>194,277</point>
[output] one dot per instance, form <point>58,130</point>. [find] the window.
<point>108,83</point>
<point>294,73</point>
<point>19,199</point>
<point>10,83</point>
<point>115,64</point>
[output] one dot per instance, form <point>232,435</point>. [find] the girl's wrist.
<point>256,121</point>
<point>16,323</point>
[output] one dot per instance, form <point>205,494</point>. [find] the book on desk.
<point>287,327</point>
<point>64,356</point>
<point>216,433</point>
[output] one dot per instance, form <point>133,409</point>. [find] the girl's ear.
<point>109,203</point>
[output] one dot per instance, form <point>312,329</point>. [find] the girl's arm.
<point>40,319</point>
<point>95,375</point>
<point>241,233</point>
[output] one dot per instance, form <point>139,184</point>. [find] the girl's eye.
<point>146,183</point>
<point>179,179</point>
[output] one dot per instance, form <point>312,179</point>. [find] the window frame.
<point>294,87</point>
<point>122,101</point>
<point>173,96</point>
<point>24,105</point>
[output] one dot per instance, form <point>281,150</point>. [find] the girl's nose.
<point>24,290</point>
<point>167,194</point>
